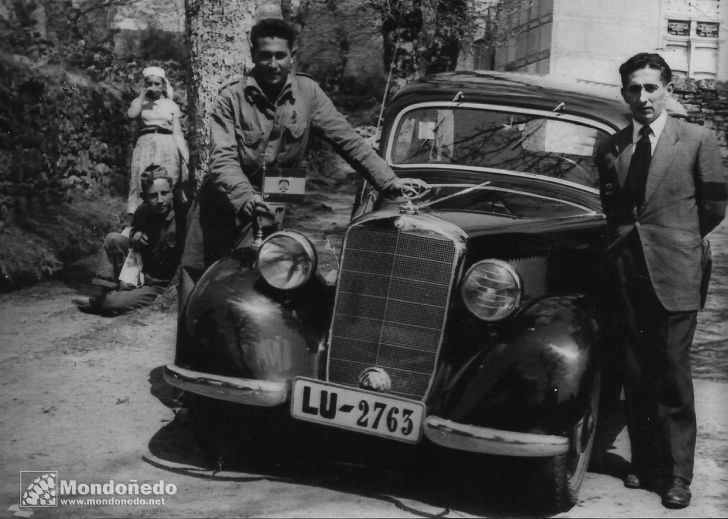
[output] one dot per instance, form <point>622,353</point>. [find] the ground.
<point>83,395</point>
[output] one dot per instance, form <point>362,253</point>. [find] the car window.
<point>540,144</point>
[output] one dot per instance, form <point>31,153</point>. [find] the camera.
<point>152,94</point>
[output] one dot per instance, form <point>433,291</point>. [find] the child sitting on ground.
<point>157,234</point>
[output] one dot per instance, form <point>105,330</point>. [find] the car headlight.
<point>491,289</point>
<point>286,260</point>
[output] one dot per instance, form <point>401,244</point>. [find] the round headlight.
<point>491,290</point>
<point>286,260</point>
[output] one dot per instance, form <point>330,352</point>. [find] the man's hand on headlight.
<point>255,205</point>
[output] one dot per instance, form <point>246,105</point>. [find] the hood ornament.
<point>375,379</point>
<point>410,208</point>
<point>412,191</point>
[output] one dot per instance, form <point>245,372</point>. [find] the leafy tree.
<point>82,21</point>
<point>420,37</point>
<point>427,36</point>
<point>423,36</point>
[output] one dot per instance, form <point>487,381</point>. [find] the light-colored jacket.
<point>685,199</point>
<point>245,126</point>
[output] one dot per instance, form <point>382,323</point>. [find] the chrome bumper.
<point>438,430</point>
<point>264,393</point>
<point>492,441</point>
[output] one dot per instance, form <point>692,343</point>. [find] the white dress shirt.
<point>656,126</point>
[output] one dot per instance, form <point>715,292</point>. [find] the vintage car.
<point>465,315</point>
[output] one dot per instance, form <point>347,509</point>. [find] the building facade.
<point>589,39</point>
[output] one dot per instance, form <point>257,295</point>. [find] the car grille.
<point>391,305</point>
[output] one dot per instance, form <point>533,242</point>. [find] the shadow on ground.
<point>78,275</point>
<point>217,440</point>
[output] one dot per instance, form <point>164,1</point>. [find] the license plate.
<point>358,410</point>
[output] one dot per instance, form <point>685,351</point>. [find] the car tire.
<point>561,476</point>
<point>219,429</point>
<point>237,437</point>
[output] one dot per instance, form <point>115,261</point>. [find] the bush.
<point>164,46</point>
<point>65,147</point>
<point>44,237</point>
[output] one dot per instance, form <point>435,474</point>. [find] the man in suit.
<point>663,189</point>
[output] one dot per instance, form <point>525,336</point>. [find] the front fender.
<point>531,375</point>
<point>235,324</point>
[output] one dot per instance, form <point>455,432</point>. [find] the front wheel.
<point>562,475</point>
<point>234,436</point>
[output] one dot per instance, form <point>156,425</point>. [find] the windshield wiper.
<point>453,195</point>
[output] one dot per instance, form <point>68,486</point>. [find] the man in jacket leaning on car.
<point>663,188</point>
<point>265,117</point>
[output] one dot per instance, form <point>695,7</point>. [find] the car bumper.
<point>485,440</point>
<point>438,430</point>
<point>265,393</point>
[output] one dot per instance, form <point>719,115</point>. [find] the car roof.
<point>595,101</point>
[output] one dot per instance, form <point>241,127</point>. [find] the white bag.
<point>131,275</point>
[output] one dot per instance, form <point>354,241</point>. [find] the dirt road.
<point>82,395</point>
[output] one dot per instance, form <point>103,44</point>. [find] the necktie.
<point>639,165</point>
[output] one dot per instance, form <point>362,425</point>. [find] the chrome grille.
<point>533,274</point>
<point>391,306</point>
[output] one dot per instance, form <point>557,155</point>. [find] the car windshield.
<point>489,199</point>
<point>544,144</point>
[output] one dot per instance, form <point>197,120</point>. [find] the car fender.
<point>531,375</point>
<point>235,324</point>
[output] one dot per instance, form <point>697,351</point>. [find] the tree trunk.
<point>423,36</point>
<point>217,33</point>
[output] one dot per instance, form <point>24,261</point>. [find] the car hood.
<point>488,203</point>
<point>475,225</point>
<point>537,186</point>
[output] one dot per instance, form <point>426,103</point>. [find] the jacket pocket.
<point>295,130</point>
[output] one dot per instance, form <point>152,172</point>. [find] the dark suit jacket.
<point>685,199</point>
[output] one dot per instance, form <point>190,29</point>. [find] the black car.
<point>464,316</point>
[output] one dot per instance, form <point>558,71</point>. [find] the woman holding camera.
<point>160,136</point>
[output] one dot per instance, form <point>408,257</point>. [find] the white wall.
<point>591,38</point>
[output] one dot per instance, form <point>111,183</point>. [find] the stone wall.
<point>706,102</point>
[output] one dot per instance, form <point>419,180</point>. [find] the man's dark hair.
<point>645,60</point>
<point>269,28</point>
